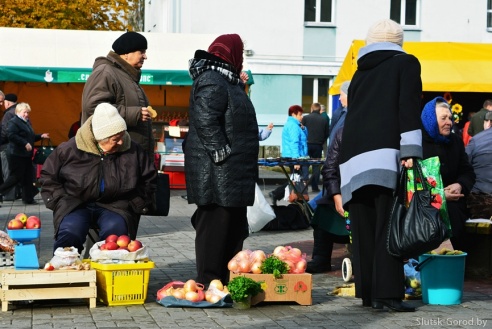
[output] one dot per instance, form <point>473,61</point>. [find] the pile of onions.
<point>216,291</point>
<point>294,258</point>
<point>190,290</point>
<point>247,261</point>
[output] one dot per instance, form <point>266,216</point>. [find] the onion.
<point>190,285</point>
<point>244,266</point>
<point>301,265</point>
<point>179,293</point>
<point>290,264</point>
<point>233,265</point>
<point>256,268</point>
<point>208,295</point>
<point>217,284</point>
<point>257,256</point>
<point>295,252</point>
<point>278,250</point>
<point>243,254</point>
<point>214,299</point>
<point>192,296</point>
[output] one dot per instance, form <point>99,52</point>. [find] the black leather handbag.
<point>418,229</point>
<point>43,151</point>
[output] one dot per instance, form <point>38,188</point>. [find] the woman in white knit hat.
<point>99,178</point>
<point>381,133</point>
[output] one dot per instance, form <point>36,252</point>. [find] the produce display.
<point>122,242</point>
<point>22,221</point>
<point>193,291</point>
<point>283,260</point>
<point>446,251</point>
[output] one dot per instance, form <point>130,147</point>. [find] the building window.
<point>318,11</point>
<point>489,14</point>
<point>314,90</point>
<point>405,12</point>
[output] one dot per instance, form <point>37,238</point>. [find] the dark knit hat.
<point>488,116</point>
<point>11,98</point>
<point>129,42</point>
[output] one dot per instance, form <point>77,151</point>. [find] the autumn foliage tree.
<point>73,14</point>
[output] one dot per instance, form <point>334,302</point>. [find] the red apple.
<point>15,224</point>
<point>33,222</point>
<point>134,245</point>
<point>123,240</point>
<point>111,245</point>
<point>22,217</point>
<point>103,247</point>
<point>111,238</point>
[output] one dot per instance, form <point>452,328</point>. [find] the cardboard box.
<point>291,287</point>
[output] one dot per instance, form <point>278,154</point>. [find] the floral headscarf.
<point>429,121</point>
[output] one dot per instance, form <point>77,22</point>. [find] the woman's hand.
<point>407,163</point>
<point>297,167</point>
<point>337,198</point>
<point>28,147</point>
<point>45,135</point>
<point>453,192</point>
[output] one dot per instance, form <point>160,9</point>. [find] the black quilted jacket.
<point>221,150</point>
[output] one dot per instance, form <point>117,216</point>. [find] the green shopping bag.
<point>431,169</point>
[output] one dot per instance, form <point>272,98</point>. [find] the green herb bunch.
<point>241,287</point>
<point>273,265</point>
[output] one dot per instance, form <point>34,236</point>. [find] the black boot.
<point>322,248</point>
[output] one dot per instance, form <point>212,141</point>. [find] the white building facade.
<point>295,48</point>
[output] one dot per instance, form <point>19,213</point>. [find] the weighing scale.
<point>25,255</point>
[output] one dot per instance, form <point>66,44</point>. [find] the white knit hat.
<point>385,30</point>
<point>106,121</point>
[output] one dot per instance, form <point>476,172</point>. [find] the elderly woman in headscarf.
<point>221,153</point>
<point>100,178</point>
<point>457,173</point>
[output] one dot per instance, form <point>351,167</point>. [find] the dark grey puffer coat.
<point>221,115</point>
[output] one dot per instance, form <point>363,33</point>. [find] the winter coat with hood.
<point>71,177</point>
<point>383,124</point>
<point>221,149</point>
<point>115,81</point>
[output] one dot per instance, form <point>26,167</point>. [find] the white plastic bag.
<point>99,255</point>
<point>64,257</point>
<point>260,213</point>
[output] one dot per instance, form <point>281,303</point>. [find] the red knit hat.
<point>230,48</point>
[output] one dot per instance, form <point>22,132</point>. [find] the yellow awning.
<point>446,66</point>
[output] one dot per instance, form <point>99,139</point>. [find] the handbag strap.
<point>417,173</point>
<point>46,139</point>
<point>401,187</point>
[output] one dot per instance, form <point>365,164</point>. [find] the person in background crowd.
<point>324,115</point>
<point>10,102</point>
<point>457,173</point>
<point>100,178</point>
<point>318,129</point>
<point>328,230</point>
<point>339,116</point>
<point>74,127</point>
<point>479,152</point>
<point>466,137</point>
<point>115,79</point>
<point>20,148</point>
<point>221,153</point>
<point>2,98</point>
<point>265,133</point>
<point>476,122</point>
<point>380,135</point>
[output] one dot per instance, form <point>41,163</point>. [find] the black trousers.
<point>220,233</point>
<point>21,171</point>
<point>377,273</point>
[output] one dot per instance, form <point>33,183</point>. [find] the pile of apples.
<point>193,291</point>
<point>122,242</point>
<point>21,221</point>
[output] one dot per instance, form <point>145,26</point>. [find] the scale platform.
<point>25,255</point>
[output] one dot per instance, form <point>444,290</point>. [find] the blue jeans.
<point>75,226</point>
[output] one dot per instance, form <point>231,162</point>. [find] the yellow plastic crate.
<point>122,284</point>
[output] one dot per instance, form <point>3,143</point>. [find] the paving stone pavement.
<point>171,243</point>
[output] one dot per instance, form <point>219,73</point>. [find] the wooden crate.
<point>40,284</point>
<point>289,288</point>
